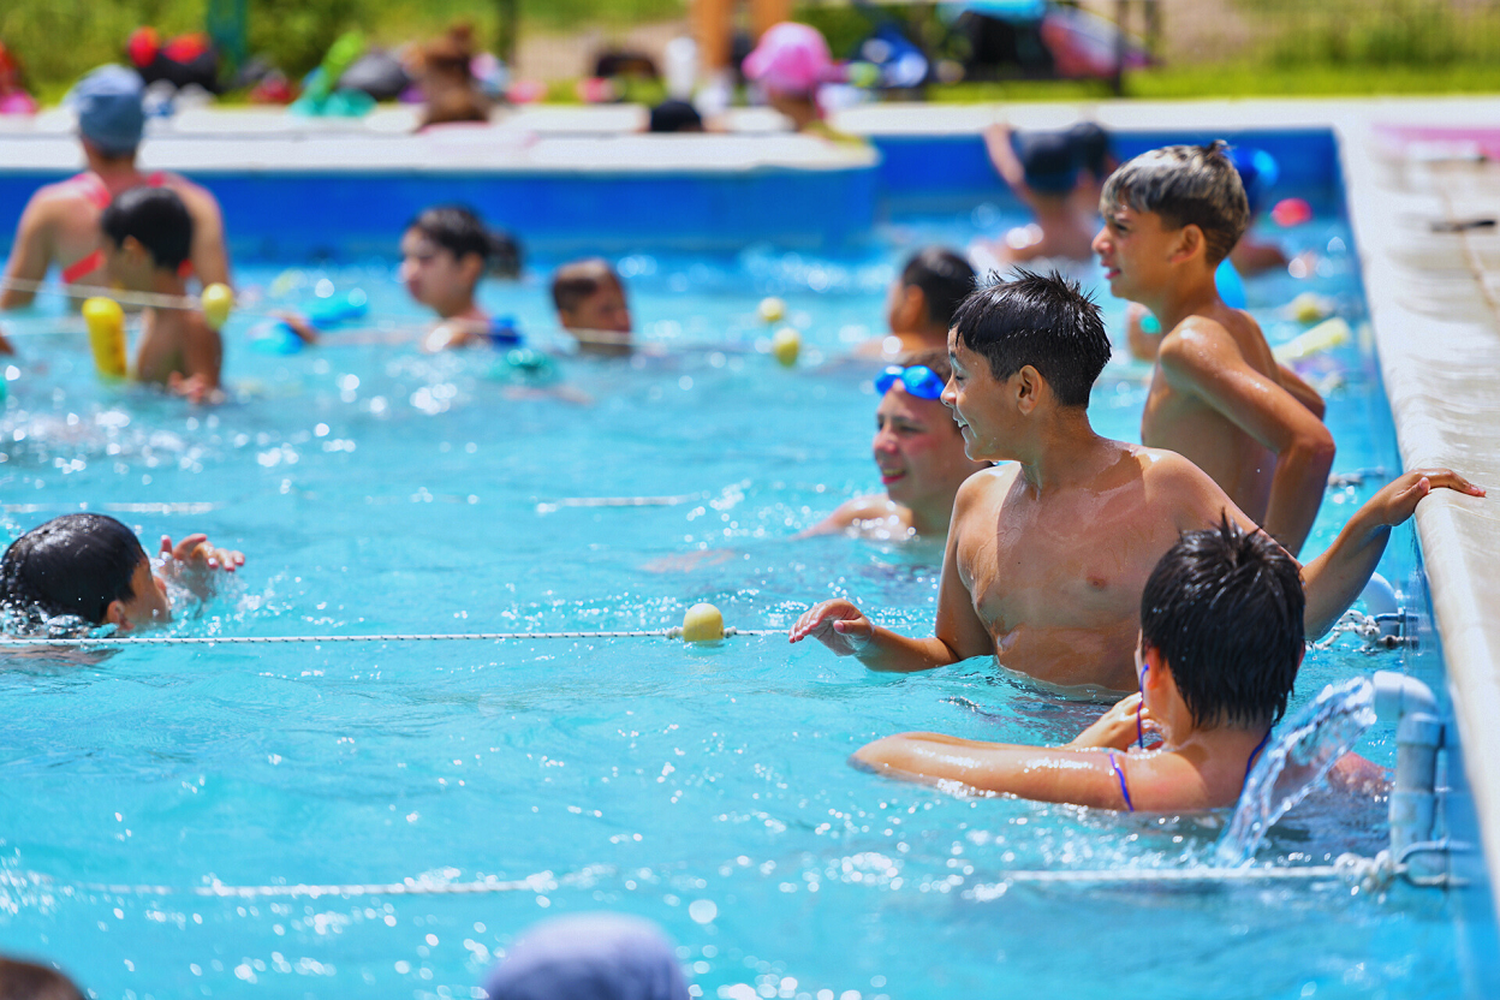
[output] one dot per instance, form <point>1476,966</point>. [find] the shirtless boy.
<point>1221,641</point>
<point>93,568</point>
<point>1047,557</point>
<point>61,221</point>
<point>919,305</point>
<point>147,233</point>
<point>919,452</point>
<point>444,252</point>
<point>1217,396</point>
<point>590,301</point>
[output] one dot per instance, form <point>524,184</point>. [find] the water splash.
<point>1306,748</point>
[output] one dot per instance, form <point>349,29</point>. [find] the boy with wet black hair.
<point>1217,395</point>
<point>148,234</point>
<point>590,301</point>
<point>92,568</point>
<point>1048,555</point>
<point>1220,644</point>
<point>920,303</point>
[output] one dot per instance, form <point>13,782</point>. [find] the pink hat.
<point>791,58</point>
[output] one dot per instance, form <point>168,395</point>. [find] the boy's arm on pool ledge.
<point>1334,579</point>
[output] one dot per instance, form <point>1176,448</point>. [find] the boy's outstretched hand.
<point>837,624</point>
<point>193,562</point>
<point>1398,499</point>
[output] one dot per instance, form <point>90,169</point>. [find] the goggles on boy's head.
<point>919,380</point>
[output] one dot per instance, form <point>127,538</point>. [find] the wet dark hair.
<point>1046,322</point>
<point>1224,608</point>
<point>73,565</point>
<point>577,280</point>
<point>459,230</point>
<point>1090,145</point>
<point>28,981</point>
<point>675,116</point>
<point>1185,185</point>
<point>1048,161</point>
<point>157,218</point>
<point>946,279</point>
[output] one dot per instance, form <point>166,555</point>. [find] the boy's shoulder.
<point>1213,338</point>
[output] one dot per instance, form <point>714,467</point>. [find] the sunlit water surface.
<point>379,490</point>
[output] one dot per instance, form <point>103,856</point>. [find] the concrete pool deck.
<point>1434,296</point>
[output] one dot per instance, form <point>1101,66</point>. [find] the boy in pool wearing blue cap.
<point>919,453</point>
<point>60,223</point>
<point>1221,640</point>
<point>148,234</point>
<point>1047,555</point>
<point>1218,397</point>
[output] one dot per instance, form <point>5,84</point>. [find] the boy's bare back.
<point>178,348</point>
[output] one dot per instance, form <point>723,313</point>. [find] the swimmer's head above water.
<point>445,251</point>
<point>591,305</point>
<point>146,229</point>
<point>917,445</point>
<point>930,287</point>
<point>1184,186</point>
<point>1044,323</point>
<point>86,566</point>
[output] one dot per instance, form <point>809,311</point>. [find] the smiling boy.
<point>1047,557</point>
<point>1217,395</point>
<point>919,453</point>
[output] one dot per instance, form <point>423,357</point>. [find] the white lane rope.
<point>152,299</point>
<point>249,640</point>
<point>1369,873</point>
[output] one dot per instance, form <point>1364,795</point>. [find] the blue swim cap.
<point>110,111</point>
<point>1048,159</point>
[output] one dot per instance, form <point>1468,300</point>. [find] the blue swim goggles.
<point>919,380</point>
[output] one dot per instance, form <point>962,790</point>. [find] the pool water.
<point>378,490</point>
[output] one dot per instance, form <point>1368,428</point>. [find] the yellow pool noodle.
<point>106,322</point>
<point>1325,336</point>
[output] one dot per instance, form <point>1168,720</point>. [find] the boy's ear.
<point>1190,243</point>
<point>1028,384</point>
<point>471,266</point>
<point>115,615</point>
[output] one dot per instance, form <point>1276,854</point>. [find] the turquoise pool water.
<point>377,490</point>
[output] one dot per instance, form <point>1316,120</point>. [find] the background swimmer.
<point>148,233</point>
<point>1042,170</point>
<point>590,301</point>
<point>1220,644</point>
<point>920,454</point>
<point>93,568</point>
<point>920,304</point>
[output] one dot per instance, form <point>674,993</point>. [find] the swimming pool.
<point>378,490</point>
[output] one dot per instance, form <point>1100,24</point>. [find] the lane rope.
<point>249,640</point>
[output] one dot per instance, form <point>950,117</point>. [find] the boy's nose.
<point>1101,240</point>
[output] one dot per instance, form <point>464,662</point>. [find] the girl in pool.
<point>92,568</point>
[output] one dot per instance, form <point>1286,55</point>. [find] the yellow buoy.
<point>702,623</point>
<point>1309,307</point>
<point>786,345</point>
<point>772,309</point>
<point>1326,335</point>
<point>106,322</point>
<point>217,300</point>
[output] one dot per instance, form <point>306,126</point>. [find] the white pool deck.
<point>1434,298</point>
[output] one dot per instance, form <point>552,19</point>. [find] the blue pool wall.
<point>280,214</point>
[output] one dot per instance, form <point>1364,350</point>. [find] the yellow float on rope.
<point>217,300</point>
<point>702,623</point>
<point>786,345</point>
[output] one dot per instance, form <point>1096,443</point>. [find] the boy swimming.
<point>1047,557</point>
<point>919,305</point>
<point>148,234</point>
<point>92,568</point>
<point>590,301</point>
<point>919,452</point>
<point>444,252</point>
<point>1221,640</point>
<point>1217,395</point>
